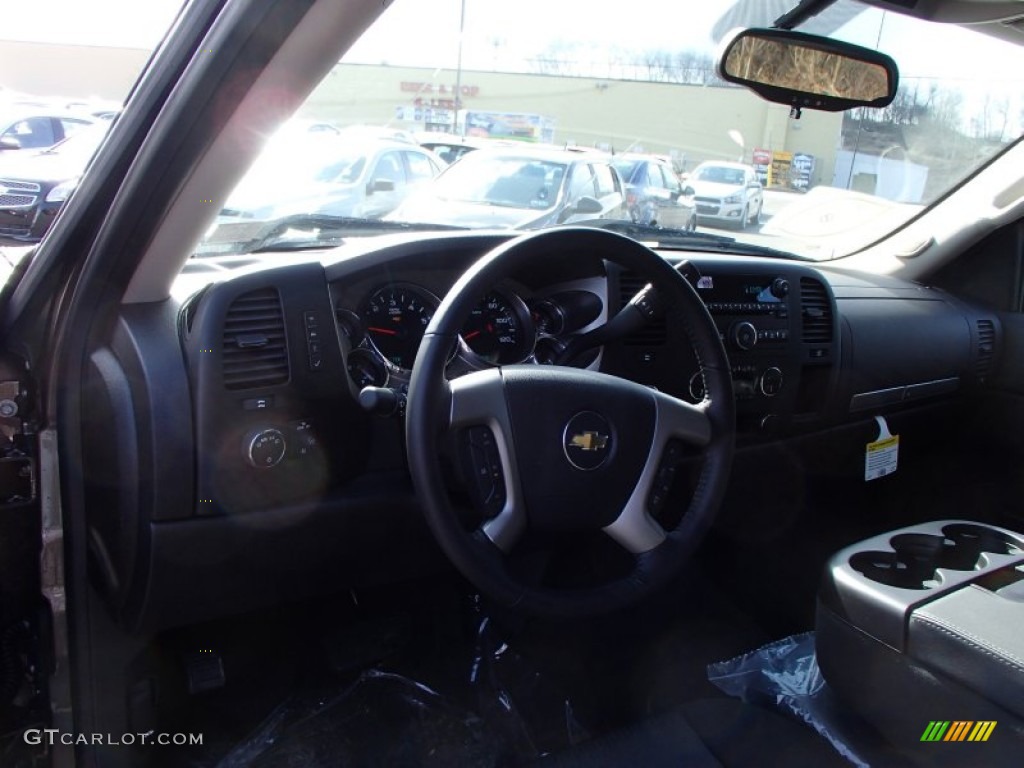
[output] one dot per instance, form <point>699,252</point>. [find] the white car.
<point>331,176</point>
<point>727,193</point>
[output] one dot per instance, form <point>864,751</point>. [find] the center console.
<point>921,631</point>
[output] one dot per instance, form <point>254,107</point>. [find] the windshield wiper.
<point>298,232</point>
<point>696,241</point>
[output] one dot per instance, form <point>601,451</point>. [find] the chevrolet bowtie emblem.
<point>589,441</point>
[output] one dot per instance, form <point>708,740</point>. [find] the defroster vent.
<point>255,351</point>
<point>815,312</point>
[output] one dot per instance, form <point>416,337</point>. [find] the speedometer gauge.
<point>499,330</point>
<point>395,318</point>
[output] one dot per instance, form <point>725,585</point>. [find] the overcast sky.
<point>417,32</point>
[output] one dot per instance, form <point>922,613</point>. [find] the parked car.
<point>726,193</point>
<point>587,496</point>
<point>450,147</point>
<point>519,189</point>
<point>34,185</point>
<point>654,194</point>
<point>26,128</point>
<point>335,175</point>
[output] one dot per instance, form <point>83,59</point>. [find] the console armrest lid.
<point>975,637</point>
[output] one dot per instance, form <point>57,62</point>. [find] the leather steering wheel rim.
<point>433,401</point>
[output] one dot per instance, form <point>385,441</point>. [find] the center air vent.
<point>255,351</point>
<point>655,333</point>
<point>815,312</point>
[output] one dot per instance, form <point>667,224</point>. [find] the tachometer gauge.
<point>499,330</point>
<point>395,318</point>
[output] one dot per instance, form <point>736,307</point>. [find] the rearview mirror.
<point>807,71</point>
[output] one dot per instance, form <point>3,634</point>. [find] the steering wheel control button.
<point>484,467</point>
<point>264,448</point>
<point>671,458</point>
<point>587,440</point>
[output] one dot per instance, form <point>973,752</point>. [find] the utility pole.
<point>458,76</point>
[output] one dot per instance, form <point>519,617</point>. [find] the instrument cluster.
<point>387,326</point>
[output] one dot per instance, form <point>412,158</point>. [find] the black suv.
<point>35,185</point>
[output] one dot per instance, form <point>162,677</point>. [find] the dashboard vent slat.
<point>986,349</point>
<point>654,334</point>
<point>246,364</point>
<point>815,312</point>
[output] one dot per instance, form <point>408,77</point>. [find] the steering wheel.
<point>578,450</point>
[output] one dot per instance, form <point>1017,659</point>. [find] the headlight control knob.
<point>744,335</point>
<point>264,448</point>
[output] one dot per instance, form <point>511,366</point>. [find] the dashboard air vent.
<point>986,349</point>
<point>255,351</point>
<point>654,334</point>
<point>815,312</point>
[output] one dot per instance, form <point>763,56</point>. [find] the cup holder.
<point>897,569</point>
<point>937,551</point>
<point>978,539</point>
<point>917,556</point>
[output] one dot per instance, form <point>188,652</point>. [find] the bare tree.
<point>654,65</point>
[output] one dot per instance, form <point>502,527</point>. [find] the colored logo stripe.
<point>982,730</point>
<point>958,730</point>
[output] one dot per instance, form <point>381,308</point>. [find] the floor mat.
<point>382,719</point>
<point>465,688</point>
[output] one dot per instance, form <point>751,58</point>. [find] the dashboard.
<point>298,481</point>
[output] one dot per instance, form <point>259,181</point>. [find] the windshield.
<point>292,167</point>
<point>627,169</point>
<point>492,81</point>
<point>719,174</point>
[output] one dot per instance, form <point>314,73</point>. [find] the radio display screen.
<point>737,288</point>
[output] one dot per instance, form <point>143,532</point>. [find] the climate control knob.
<point>744,335</point>
<point>771,382</point>
<point>264,448</point>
